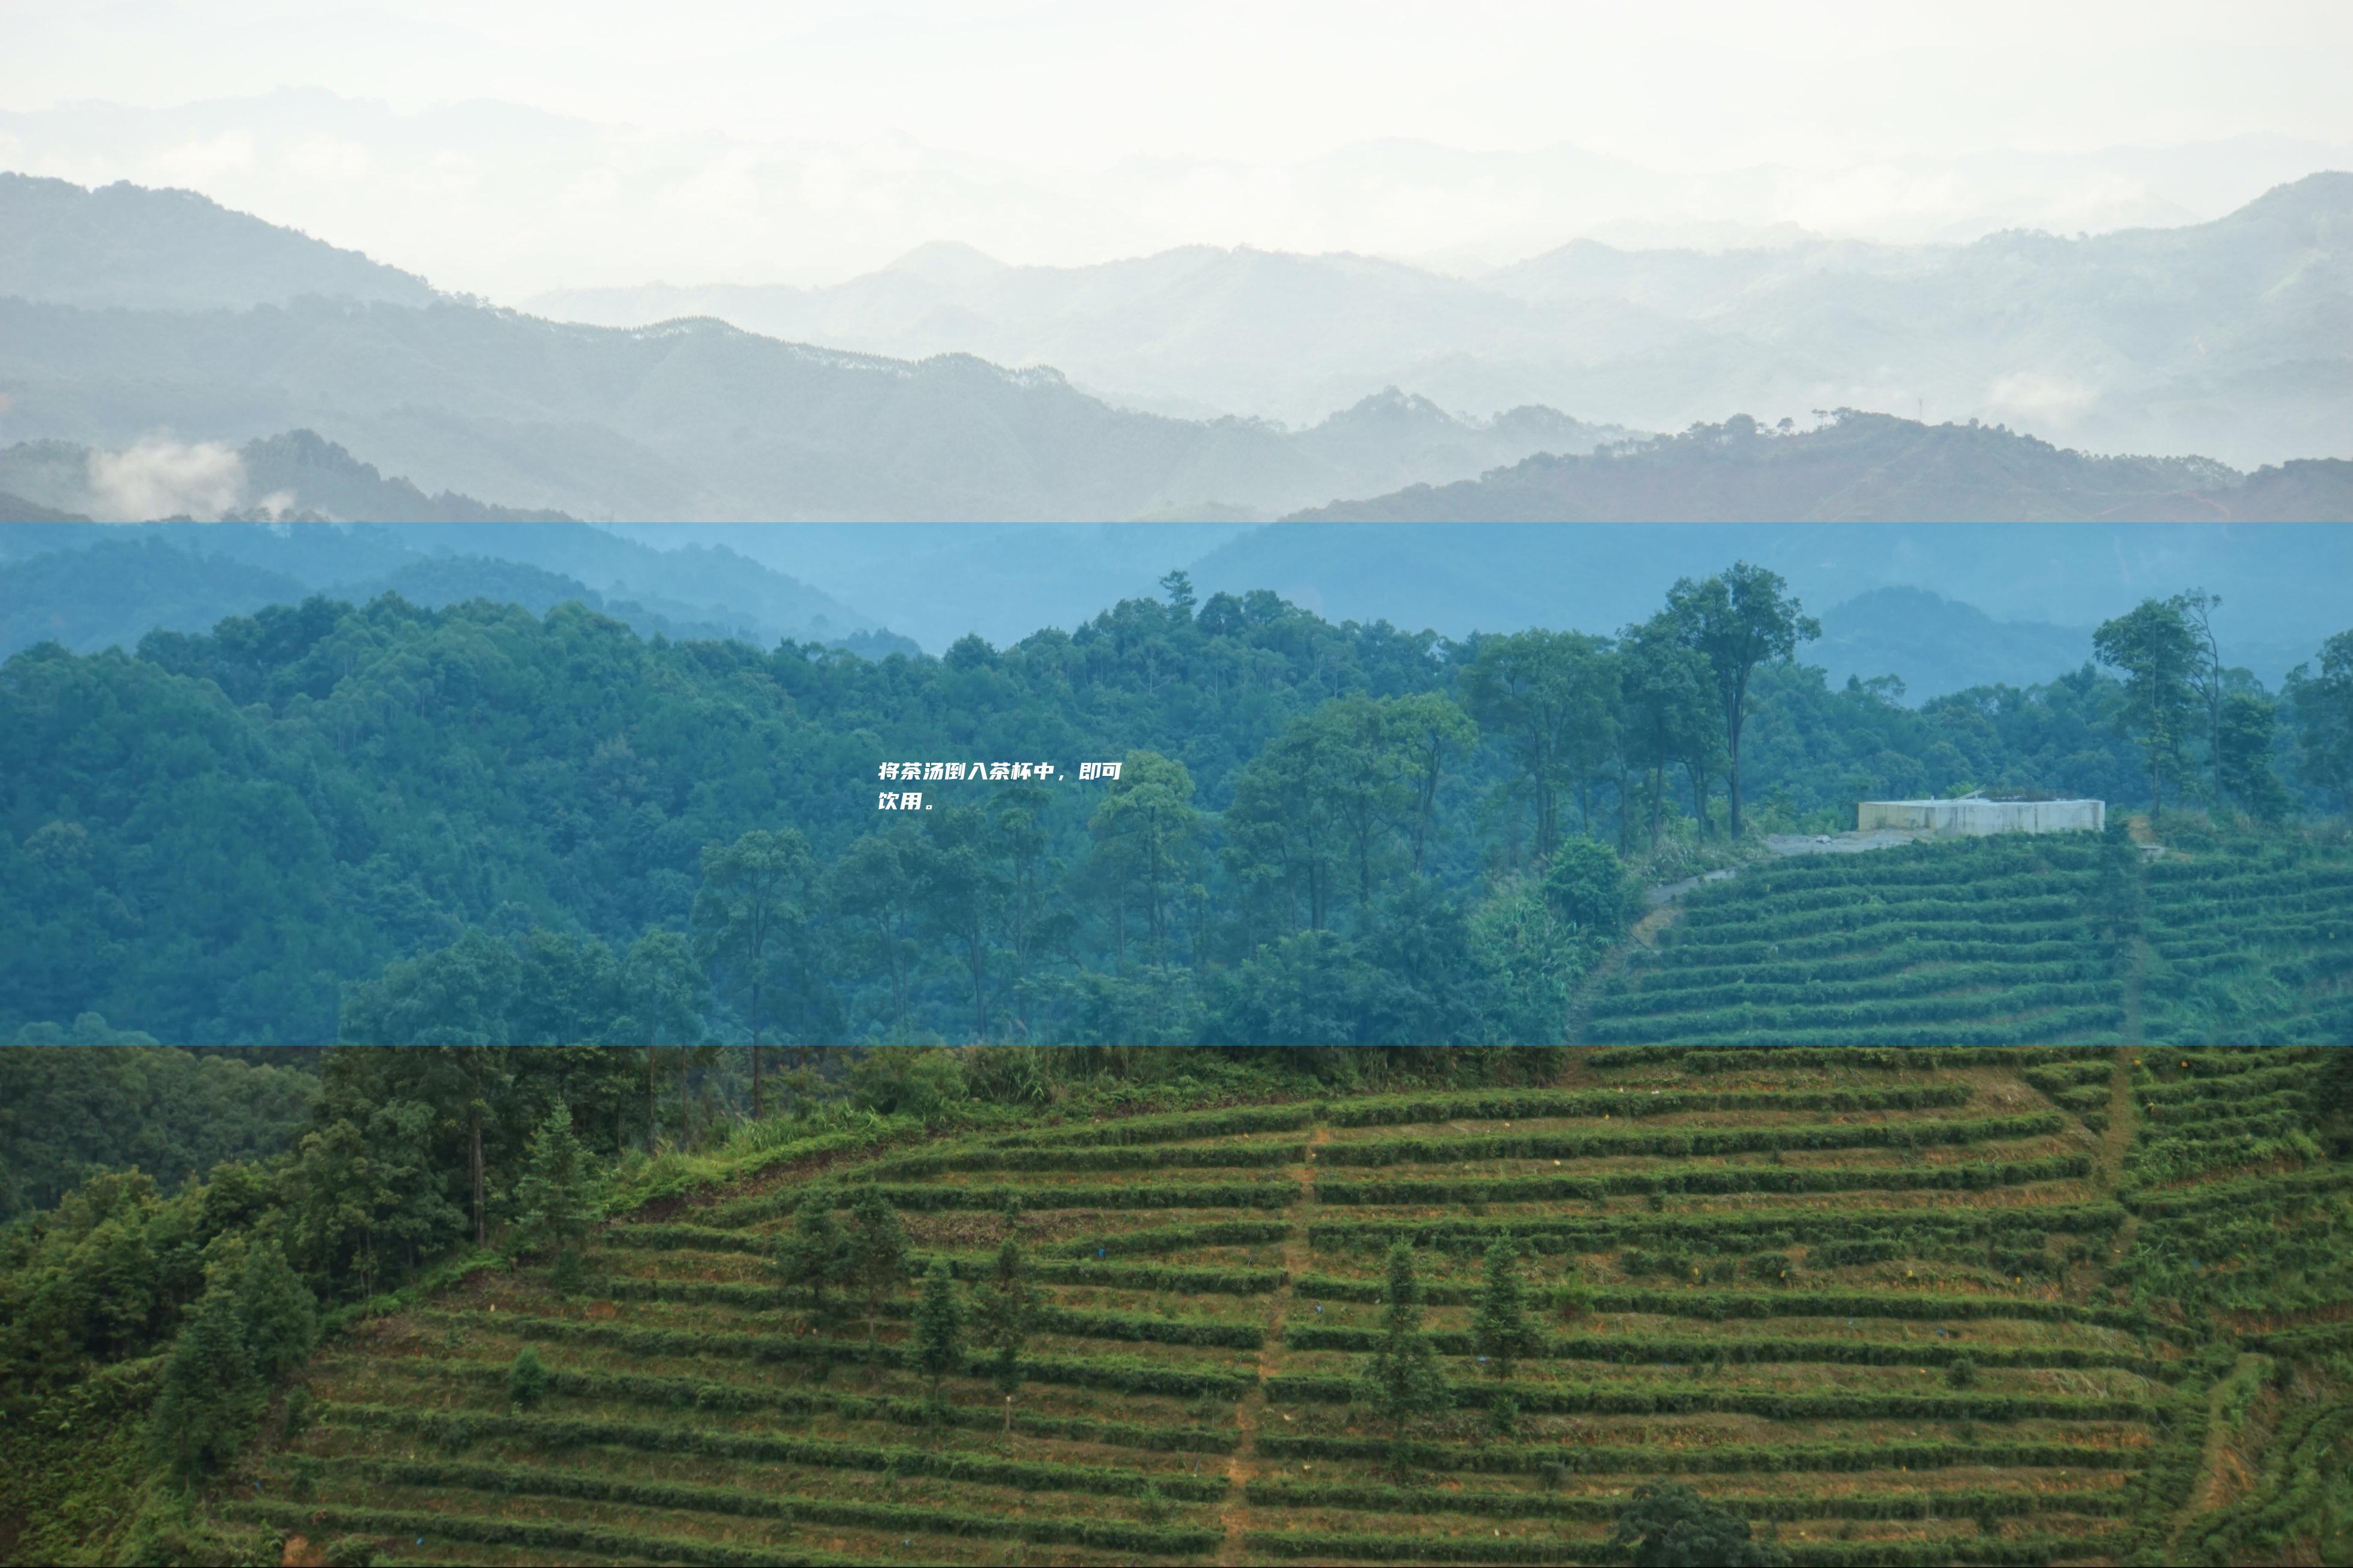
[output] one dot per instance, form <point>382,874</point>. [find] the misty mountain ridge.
<point>1857,468</point>
<point>538,204</point>
<point>697,418</point>
<point>128,247</point>
<point>295,476</point>
<point>2229,337</point>
<point>688,589</point>
<point>114,592</point>
<point>1935,644</point>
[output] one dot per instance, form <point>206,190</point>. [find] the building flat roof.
<point>1986,800</point>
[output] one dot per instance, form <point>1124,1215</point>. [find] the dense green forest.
<point>387,824</point>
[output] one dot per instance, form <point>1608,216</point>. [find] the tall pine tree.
<point>815,1258</point>
<point>1005,1307</point>
<point>1501,1329</point>
<point>1404,1385</point>
<point>939,1327</point>
<point>557,1195</point>
<point>878,1254</point>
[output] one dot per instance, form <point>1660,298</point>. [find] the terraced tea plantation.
<point>2254,947</point>
<point>1967,1305</point>
<point>2008,941</point>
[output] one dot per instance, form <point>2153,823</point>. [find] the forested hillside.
<point>389,822</point>
<point>93,1099</point>
<point>1960,1305</point>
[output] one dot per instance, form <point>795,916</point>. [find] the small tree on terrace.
<point>526,1380</point>
<point>1404,1385</point>
<point>815,1258</point>
<point>1004,1305</point>
<point>1669,1525</point>
<point>878,1254</point>
<point>939,1327</point>
<point>1502,1329</point>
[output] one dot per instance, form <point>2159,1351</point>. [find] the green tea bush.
<point>519,1481</point>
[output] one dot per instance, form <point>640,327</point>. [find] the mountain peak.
<point>126,245</point>
<point>2328,194</point>
<point>948,262</point>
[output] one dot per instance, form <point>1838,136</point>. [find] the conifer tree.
<point>557,1195</point>
<point>276,1311</point>
<point>526,1379</point>
<point>1405,1384</point>
<point>939,1327</point>
<point>210,1396</point>
<point>1501,1329</point>
<point>878,1254</point>
<point>815,1258</point>
<point>1005,1305</point>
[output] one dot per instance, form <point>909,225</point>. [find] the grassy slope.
<point>1997,941</point>
<point>1190,1397</point>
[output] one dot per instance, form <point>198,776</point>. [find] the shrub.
<point>526,1380</point>
<point>1668,1525</point>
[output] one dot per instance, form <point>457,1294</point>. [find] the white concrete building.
<point>1975,815</point>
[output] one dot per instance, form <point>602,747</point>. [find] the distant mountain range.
<point>690,418</point>
<point>1858,467</point>
<point>269,333</point>
<point>2232,338</point>
<point>92,585</point>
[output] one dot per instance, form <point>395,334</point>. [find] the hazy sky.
<point>700,140</point>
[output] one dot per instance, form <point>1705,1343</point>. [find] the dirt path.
<point>2117,1137</point>
<point>2115,1142</point>
<point>2217,1484</point>
<point>1613,963</point>
<point>1297,1258</point>
<point>2136,1026</point>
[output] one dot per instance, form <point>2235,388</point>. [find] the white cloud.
<point>163,477</point>
<point>2038,398</point>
